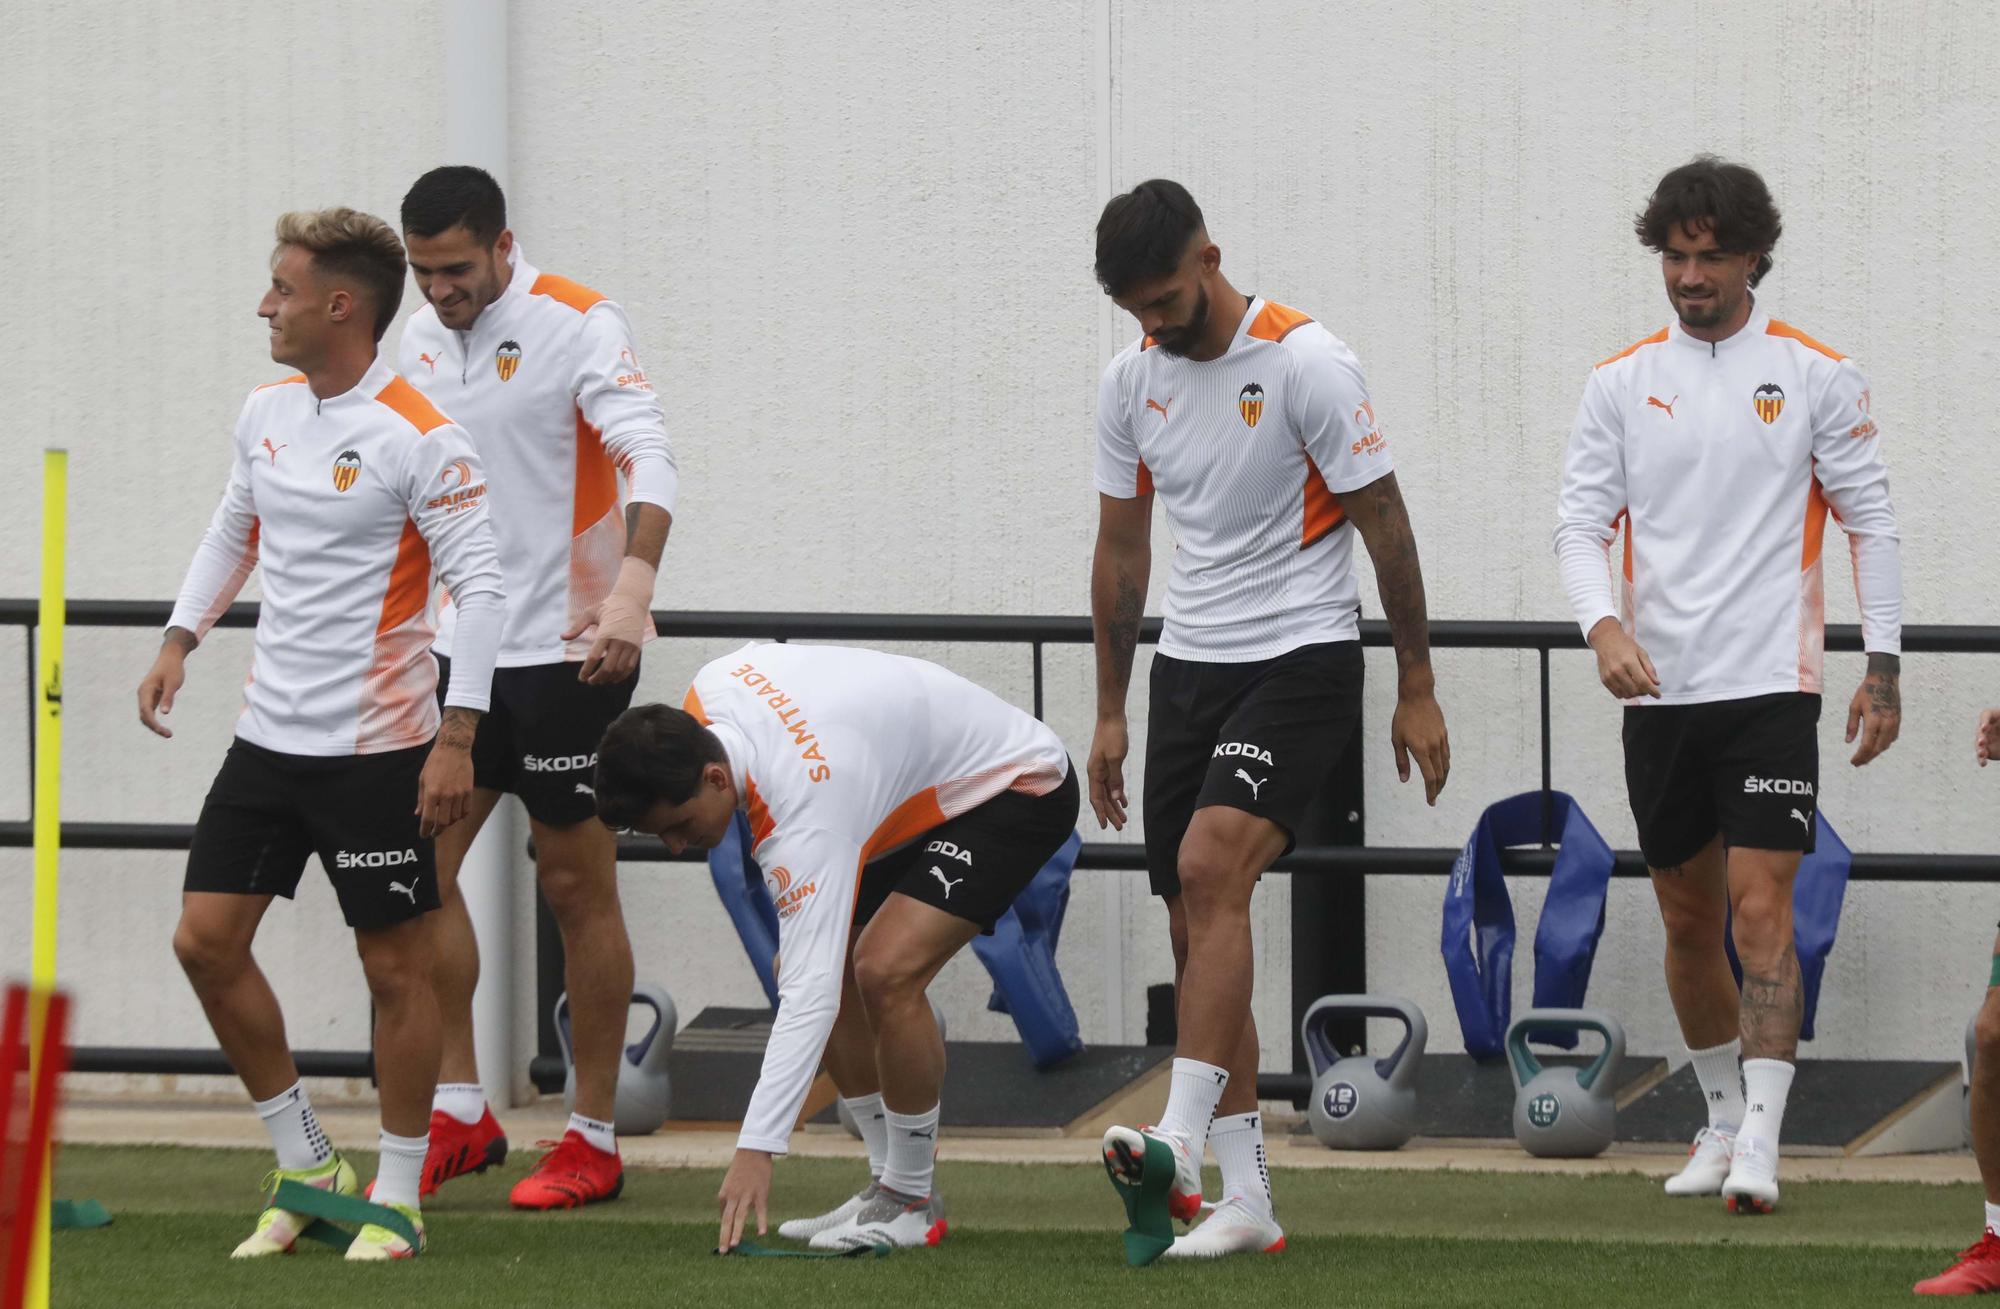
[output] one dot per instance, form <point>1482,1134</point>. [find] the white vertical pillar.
<point>475,132</point>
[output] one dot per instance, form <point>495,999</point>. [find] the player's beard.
<point>1179,340</point>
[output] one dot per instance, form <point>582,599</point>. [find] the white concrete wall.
<point>856,243</point>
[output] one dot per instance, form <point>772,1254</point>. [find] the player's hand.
<point>1109,745</point>
<point>614,652</point>
<point>162,682</point>
<point>1418,729</point>
<point>747,1187</point>
<point>1875,714</point>
<point>1986,744</point>
<point>1622,665</point>
<point>444,790</point>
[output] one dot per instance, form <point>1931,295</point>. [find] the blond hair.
<point>350,244</point>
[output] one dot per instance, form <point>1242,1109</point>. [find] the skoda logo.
<point>1340,1100</point>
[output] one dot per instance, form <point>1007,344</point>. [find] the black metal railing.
<point>1036,633</point>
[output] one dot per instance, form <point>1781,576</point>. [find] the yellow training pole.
<point>48,822</point>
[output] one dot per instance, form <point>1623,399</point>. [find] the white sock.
<point>1993,1217</point>
<point>465,1101</point>
<point>401,1173</point>
<point>912,1151</point>
<point>1766,1083</point>
<point>867,1112</point>
<point>1720,1071</point>
<point>1191,1103</point>
<point>1238,1142</point>
<point>295,1132</point>
<point>601,1135</point>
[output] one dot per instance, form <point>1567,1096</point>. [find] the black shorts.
<point>973,866</point>
<point>1748,769</point>
<point>1261,737</point>
<point>267,811</point>
<point>539,739</point>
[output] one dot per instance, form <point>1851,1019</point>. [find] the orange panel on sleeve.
<point>1144,486</point>
<point>691,704</point>
<point>1776,328</point>
<point>912,818</point>
<point>414,406</point>
<point>1275,322</point>
<point>409,580</point>
<point>574,294</point>
<point>1323,511</point>
<point>596,479</point>
<point>761,824</point>
<point>1654,339</point>
<point>1815,526</point>
<point>283,381</point>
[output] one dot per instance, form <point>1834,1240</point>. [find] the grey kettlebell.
<point>1965,1095</point>
<point>645,1095</point>
<point>1565,1113</point>
<point>840,1106</point>
<point>1359,1103</point>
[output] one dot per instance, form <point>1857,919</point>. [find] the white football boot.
<point>1707,1164</point>
<point>1752,1184</point>
<point>889,1218</point>
<point>804,1229</point>
<point>1236,1226</point>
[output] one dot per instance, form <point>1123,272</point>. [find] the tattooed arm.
<point>1118,577</point>
<point>1876,712</point>
<point>444,791</point>
<point>1378,514</point>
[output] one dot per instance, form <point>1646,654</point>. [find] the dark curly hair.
<point>1711,194</point>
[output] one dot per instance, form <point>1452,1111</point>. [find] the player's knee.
<point>1986,1033</point>
<point>1692,926</point>
<point>1762,929</point>
<point>1209,878</point>
<point>207,956</point>
<point>574,894</point>
<point>882,980</point>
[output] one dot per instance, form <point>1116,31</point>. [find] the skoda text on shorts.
<point>544,373</point>
<point>1720,444</point>
<point>336,492</point>
<point>1257,682</point>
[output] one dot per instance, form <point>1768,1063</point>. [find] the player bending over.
<point>897,810</point>
<point>345,485</point>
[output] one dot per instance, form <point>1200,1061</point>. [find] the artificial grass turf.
<point>1025,1234</point>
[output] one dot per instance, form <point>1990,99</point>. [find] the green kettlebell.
<point>1565,1113</point>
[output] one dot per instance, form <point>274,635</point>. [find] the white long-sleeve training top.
<point>1722,462</point>
<point>345,503</point>
<point>840,755</point>
<point>547,380</point>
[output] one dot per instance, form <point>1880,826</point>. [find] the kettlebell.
<point>1565,1113</point>
<point>1359,1103</point>
<point>644,1096</point>
<point>1965,1096</point>
<point>840,1106</point>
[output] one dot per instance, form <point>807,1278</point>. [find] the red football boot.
<point>574,1173</point>
<point>458,1148</point>
<point>1976,1272</point>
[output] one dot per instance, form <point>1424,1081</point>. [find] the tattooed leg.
<point>1760,888</point>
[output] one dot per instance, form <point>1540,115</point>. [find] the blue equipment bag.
<point>1020,955</point>
<point>1816,901</point>
<point>1477,941</point>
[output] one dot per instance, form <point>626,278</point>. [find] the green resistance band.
<point>328,1208</point>
<point>755,1251</point>
<point>65,1214</point>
